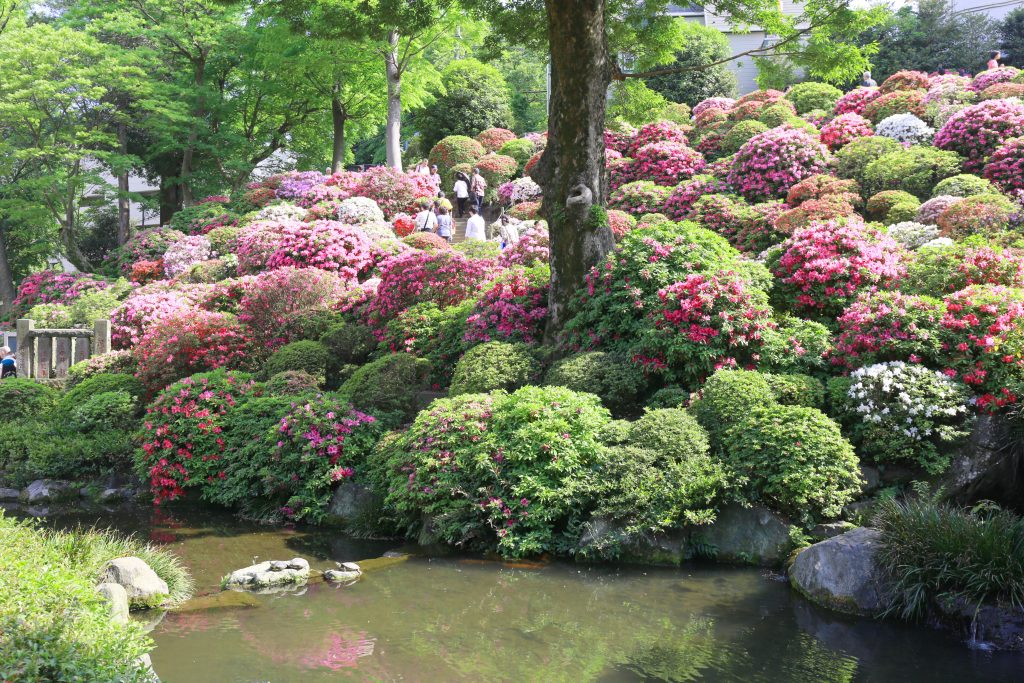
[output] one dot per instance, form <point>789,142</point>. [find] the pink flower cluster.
<point>188,342</point>
<point>906,80</point>
<point>988,266</point>
<point>854,101</point>
<point>667,163</point>
<point>885,326</point>
<point>185,253</point>
<point>722,103</point>
<point>51,287</point>
<point>979,130</point>
<point>773,161</point>
<point>327,245</point>
<point>988,78</point>
<point>444,278</point>
<point>147,306</point>
<point>515,307</point>
<point>1005,167</point>
<point>825,265</point>
<point>679,204</point>
<point>268,300</point>
<point>532,248</point>
<point>845,128</point>
<point>659,131</point>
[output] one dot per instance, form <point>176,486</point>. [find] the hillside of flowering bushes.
<point>851,273</point>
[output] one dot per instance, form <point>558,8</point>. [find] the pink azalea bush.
<point>185,253</point>
<point>723,103</point>
<point>51,287</point>
<point>658,131</point>
<point>514,307</point>
<point>854,101</point>
<point>680,202</point>
<point>145,307</point>
<point>444,278</point>
<point>844,128</point>
<point>267,300</point>
<point>532,248</point>
<point>775,160</point>
<point>327,245</point>
<point>979,130</point>
<point>884,326</point>
<point>822,268</point>
<point>188,342</point>
<point>929,212</point>
<point>667,163</point>
<point>985,79</point>
<point>905,80</point>
<point>1005,167</point>
<point>620,222</point>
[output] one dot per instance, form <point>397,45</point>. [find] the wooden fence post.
<point>100,337</point>
<point>24,354</point>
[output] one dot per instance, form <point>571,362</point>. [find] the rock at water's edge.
<point>270,573</point>
<point>841,573</point>
<point>748,535</point>
<point>145,589</point>
<point>117,597</point>
<point>46,490</point>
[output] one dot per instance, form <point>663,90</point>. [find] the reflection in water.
<point>452,619</point>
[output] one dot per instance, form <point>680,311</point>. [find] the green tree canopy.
<point>702,50</point>
<point>1011,37</point>
<point>475,97</point>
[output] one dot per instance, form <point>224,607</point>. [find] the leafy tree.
<point>476,97</point>
<point>701,46</point>
<point>633,102</point>
<point>1011,37</point>
<point>525,70</point>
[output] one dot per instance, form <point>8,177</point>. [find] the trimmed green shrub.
<point>880,205</point>
<point>797,390</point>
<point>306,324</point>
<point>120,362</point>
<point>452,152</point>
<point>775,115</point>
<point>309,356</point>
<point>810,95</point>
<point>493,366</point>
<point>436,334</point>
<point>796,345</point>
<point>668,397</point>
<point>291,383</point>
<point>25,398</point>
<point>615,380</point>
<point>347,344</point>
<point>35,449</point>
<point>793,459</point>
<point>738,135</point>
<point>99,384</point>
<point>853,159</point>
<point>108,410</point>
<point>915,170</point>
<point>964,185</point>
<point>728,396</point>
<point>387,387</point>
<point>520,149</point>
<point>671,431</point>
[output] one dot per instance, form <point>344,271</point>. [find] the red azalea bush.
<point>426,241</point>
<point>822,268</point>
<point>454,150</point>
<point>525,211</point>
<point>680,202</point>
<point>757,231</point>
<point>667,163</point>
<point>620,223</point>
<point>898,102</point>
<point>773,161</point>
<point>532,248</point>
<point>818,186</point>
<point>497,169</point>
<point>979,130</point>
<point>1005,167</point>
<point>444,278</point>
<point>658,131</point>
<point>144,272</point>
<point>403,225</point>
<point>268,300</point>
<point>493,138</point>
<point>514,307</point>
<point>978,214</point>
<point>705,322</point>
<point>187,342</point>
<point>639,197</point>
<point>986,79</point>
<point>182,438</point>
<point>905,80</point>
<point>845,128</point>
<point>828,207</point>
<point>883,326</point>
<point>51,287</point>
<point>532,163</point>
<point>1001,91</point>
<point>854,101</point>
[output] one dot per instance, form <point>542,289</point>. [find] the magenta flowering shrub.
<point>147,245</point>
<point>991,77</point>
<point>854,101</point>
<point>1005,167</point>
<point>905,80</point>
<point>268,300</point>
<point>659,131</point>
<point>395,192</point>
<point>639,197</point>
<point>51,287</point>
<point>822,268</point>
<point>257,242</point>
<point>667,163</point>
<point>775,160</point>
<point>620,172</point>
<point>327,245</point>
<point>185,253</point>
<point>620,141</point>
<point>532,248</point>
<point>145,307</point>
<point>885,326</point>
<point>679,203</point>
<point>514,307</point>
<point>444,278</point>
<point>300,186</point>
<point>620,222</point>
<point>845,128</point>
<point>723,103</point>
<point>929,212</point>
<point>979,130</point>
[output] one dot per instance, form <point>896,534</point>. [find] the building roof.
<point>684,9</point>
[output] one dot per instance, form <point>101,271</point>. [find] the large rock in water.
<point>46,490</point>
<point>989,466</point>
<point>351,501</point>
<point>841,573</point>
<point>748,535</point>
<point>145,589</point>
<point>270,573</point>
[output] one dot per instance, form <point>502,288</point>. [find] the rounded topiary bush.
<point>773,161</point>
<point>387,387</point>
<point>668,397</point>
<point>979,130</point>
<point>672,431</point>
<point>349,343</point>
<point>854,157</point>
<point>493,366</point>
<point>797,390</point>
<point>728,396</point>
<point>618,382</point>
<point>738,136</point>
<point>452,151</point>
<point>916,170</point>
<point>963,185</point>
<point>519,149</point>
<point>899,102</point>
<point>493,139</point>
<point>25,398</point>
<point>977,215</point>
<point>811,95</point>
<point>307,355</point>
<point>855,101</point>
<point>794,460</point>
<point>292,383</point>
<point>1005,167</point>
<point>98,384</point>
<point>881,203</point>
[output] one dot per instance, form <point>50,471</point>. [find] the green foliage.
<point>728,396</point>
<point>347,344</point>
<point>668,397</point>
<point>964,185</point>
<point>699,46</point>
<point>880,206</point>
<point>915,170</point>
<point>519,149</point>
<point>309,356</point>
<point>387,387</point>
<point>99,384</point>
<point>492,366</point>
<point>53,624</point>
<point>775,115</point>
<point>26,398</point>
<point>34,448</point>
<point>853,159</point>
<point>796,345</point>
<point>634,103</point>
<point>192,220</point>
<point>797,390</point>
<point>476,97</point>
<point>738,136</point>
<point>1011,37</point>
<point>810,95</point>
<point>793,459</point>
<point>940,552</point>
<point>115,362</point>
<point>292,383</point>
<point>616,381</point>
<point>436,334</point>
<point>108,410</point>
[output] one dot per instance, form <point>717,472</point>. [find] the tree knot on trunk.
<point>578,203</point>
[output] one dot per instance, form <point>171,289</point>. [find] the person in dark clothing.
<point>8,365</point>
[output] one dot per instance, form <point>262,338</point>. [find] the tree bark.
<point>393,128</point>
<point>198,111</point>
<point>572,172</point>
<point>7,291</point>
<point>123,204</point>
<point>170,201</point>
<point>67,227</point>
<point>339,118</point>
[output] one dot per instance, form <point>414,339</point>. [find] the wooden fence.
<point>47,354</point>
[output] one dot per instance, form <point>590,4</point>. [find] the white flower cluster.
<point>358,210</point>
<point>285,211</point>
<point>378,230</point>
<point>905,397</point>
<point>905,128</point>
<point>912,234</point>
<point>938,243</point>
<point>185,253</point>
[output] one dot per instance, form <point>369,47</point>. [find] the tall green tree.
<point>475,97</point>
<point>699,46</point>
<point>1011,37</point>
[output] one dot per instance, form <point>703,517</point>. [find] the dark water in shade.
<point>464,619</point>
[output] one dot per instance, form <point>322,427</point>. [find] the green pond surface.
<point>468,619</point>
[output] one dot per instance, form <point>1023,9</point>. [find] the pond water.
<point>467,619</point>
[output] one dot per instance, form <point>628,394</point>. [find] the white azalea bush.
<point>912,234</point>
<point>905,128</point>
<point>282,211</point>
<point>358,210</point>
<point>906,413</point>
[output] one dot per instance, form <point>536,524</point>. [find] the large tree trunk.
<point>67,229</point>
<point>338,118</point>
<point>7,291</point>
<point>123,204</point>
<point>571,172</point>
<point>198,111</point>
<point>393,129</point>
<point>170,200</point>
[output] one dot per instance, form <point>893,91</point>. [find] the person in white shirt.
<point>476,228</point>
<point>508,230</point>
<point>461,191</point>
<point>435,177</point>
<point>426,220</point>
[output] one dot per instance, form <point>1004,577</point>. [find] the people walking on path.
<point>426,220</point>
<point>509,231</point>
<point>444,224</point>
<point>866,81</point>
<point>476,228</point>
<point>461,191</point>
<point>478,187</point>
<point>8,366</point>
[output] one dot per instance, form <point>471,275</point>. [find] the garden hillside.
<point>812,294</point>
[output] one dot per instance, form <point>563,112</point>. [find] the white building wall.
<point>996,10</point>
